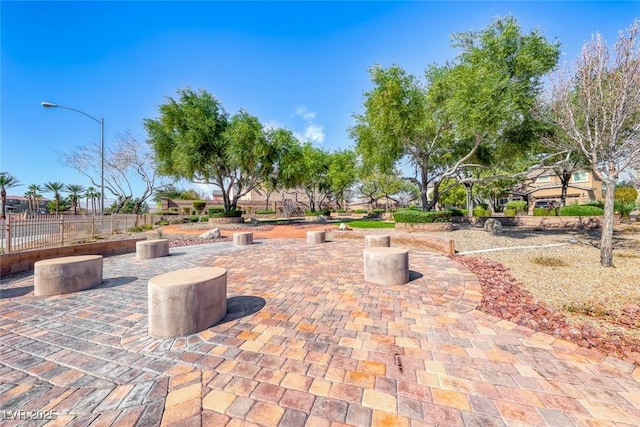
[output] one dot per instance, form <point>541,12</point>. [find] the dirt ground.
<point>259,232</point>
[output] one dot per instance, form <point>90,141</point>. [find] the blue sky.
<point>299,65</point>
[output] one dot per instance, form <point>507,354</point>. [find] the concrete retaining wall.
<point>17,262</point>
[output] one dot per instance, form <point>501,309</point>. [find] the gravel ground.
<point>563,270</point>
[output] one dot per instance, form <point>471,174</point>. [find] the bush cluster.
<point>378,211</point>
<point>411,216</point>
<point>519,205</point>
<point>224,214</point>
<point>481,212</point>
<point>360,211</point>
<point>313,213</point>
<point>581,210</point>
<point>140,228</point>
<point>265,211</point>
<point>511,212</point>
<point>545,212</point>
<point>215,210</point>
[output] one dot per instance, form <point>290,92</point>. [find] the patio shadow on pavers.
<point>15,292</point>
<point>413,275</point>
<point>113,282</point>
<point>241,306</point>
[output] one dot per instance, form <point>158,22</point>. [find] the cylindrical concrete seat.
<point>243,238</point>
<point>66,274</point>
<point>386,266</point>
<point>315,237</point>
<point>147,249</point>
<point>377,241</point>
<point>186,302</point>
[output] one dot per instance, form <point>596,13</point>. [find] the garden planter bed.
<point>433,226</point>
<point>544,222</point>
<point>227,220</point>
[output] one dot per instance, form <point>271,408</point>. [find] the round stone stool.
<point>66,274</point>
<point>386,266</point>
<point>315,237</point>
<point>147,249</point>
<point>240,239</point>
<point>186,302</point>
<point>377,241</point>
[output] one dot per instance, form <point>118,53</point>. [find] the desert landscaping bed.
<point>550,281</point>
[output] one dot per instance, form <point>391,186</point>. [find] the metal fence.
<point>47,231</point>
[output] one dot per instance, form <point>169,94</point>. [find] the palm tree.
<point>55,188</point>
<point>91,193</point>
<point>32,195</point>
<point>6,181</point>
<point>75,192</point>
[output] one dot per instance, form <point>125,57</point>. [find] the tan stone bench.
<point>377,241</point>
<point>67,274</point>
<point>185,302</point>
<point>240,239</point>
<point>386,266</point>
<point>315,237</point>
<point>147,249</point>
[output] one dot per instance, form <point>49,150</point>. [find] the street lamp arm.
<point>101,122</point>
<point>52,105</point>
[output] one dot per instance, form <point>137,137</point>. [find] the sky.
<point>298,65</point>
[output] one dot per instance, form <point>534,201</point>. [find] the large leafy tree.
<point>597,105</point>
<point>6,181</point>
<point>194,138</point>
<point>341,174</point>
<point>484,99</point>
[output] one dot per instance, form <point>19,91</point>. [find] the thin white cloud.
<point>314,133</point>
<point>305,114</point>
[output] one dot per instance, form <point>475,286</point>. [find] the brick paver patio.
<point>306,342</point>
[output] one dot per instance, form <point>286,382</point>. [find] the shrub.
<point>378,211</point>
<point>313,213</point>
<point>596,203</point>
<point>199,205</point>
<point>519,205</point>
<point>411,216</point>
<point>510,211</point>
<point>265,211</point>
<point>481,212</point>
<point>626,194</point>
<point>215,210</point>
<point>140,228</point>
<point>457,212</point>
<point>204,218</point>
<point>162,222</point>
<point>225,214</point>
<point>360,211</point>
<point>194,218</point>
<point>581,210</point>
<point>340,210</point>
<point>544,212</point>
<point>548,261</point>
<point>623,208</point>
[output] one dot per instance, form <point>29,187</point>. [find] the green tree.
<point>129,206</point>
<point>484,100</point>
<point>75,193</point>
<point>314,165</point>
<point>598,108</point>
<point>195,139</point>
<point>6,181</point>
<point>55,187</point>
<point>341,174</point>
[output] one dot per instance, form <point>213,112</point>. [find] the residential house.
<point>20,204</point>
<point>545,185</point>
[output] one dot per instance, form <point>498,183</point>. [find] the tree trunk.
<point>606,241</point>
<point>3,195</point>
<point>468,186</point>
<point>564,179</point>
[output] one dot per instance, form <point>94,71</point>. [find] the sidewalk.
<point>307,342</point>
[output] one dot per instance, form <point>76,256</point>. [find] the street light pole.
<point>101,122</point>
